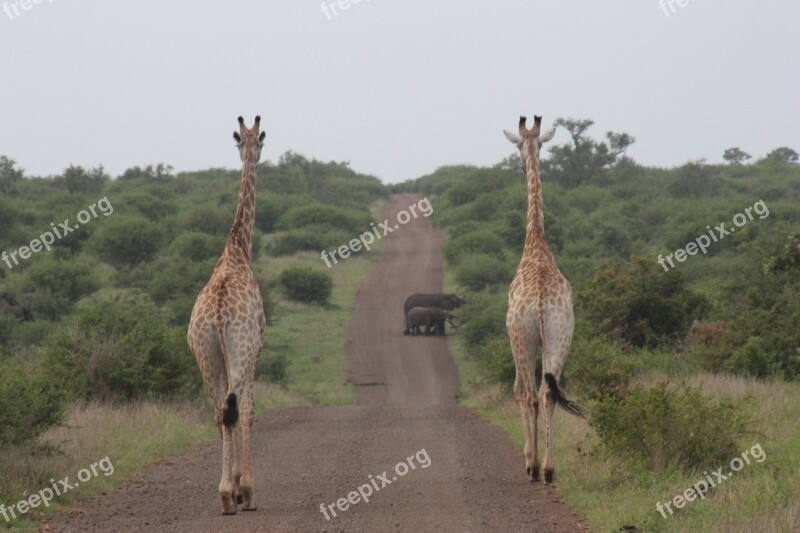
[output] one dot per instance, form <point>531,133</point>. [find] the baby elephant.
<point>429,317</point>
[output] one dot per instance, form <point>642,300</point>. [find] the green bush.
<point>122,349</point>
<point>208,219</point>
<point>597,370</point>
<point>128,240</point>
<point>481,241</point>
<point>149,205</point>
<point>482,271</point>
<point>273,367</point>
<point>669,426</point>
<point>197,246</point>
<point>310,239</point>
<point>304,284</point>
<point>639,303</point>
<point>58,284</point>
<point>498,361</point>
<point>478,182</point>
<point>484,318</point>
<point>316,214</point>
<point>31,400</point>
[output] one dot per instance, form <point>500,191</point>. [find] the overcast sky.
<point>396,87</point>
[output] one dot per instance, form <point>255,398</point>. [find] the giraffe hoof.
<point>253,508</point>
<point>533,473</point>
<point>549,476</point>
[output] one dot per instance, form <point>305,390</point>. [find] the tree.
<point>783,154</point>
<point>619,142</point>
<point>161,172</point>
<point>78,180</point>
<point>9,174</point>
<point>585,159</point>
<point>735,156</point>
<point>637,302</point>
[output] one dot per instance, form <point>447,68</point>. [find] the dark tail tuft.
<point>230,411</point>
<point>570,407</point>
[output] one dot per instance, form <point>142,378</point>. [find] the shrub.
<point>58,285</point>
<point>639,303</point>
<point>598,369</point>
<point>149,205</point>
<point>307,285</point>
<point>128,240</point>
<point>32,402</point>
<point>329,216</point>
<point>498,361</point>
<point>669,426</point>
<point>484,318</point>
<point>482,271</point>
<point>122,349</point>
<point>482,241</point>
<point>310,238</point>
<point>273,367</point>
<point>197,246</point>
<point>208,219</point>
<point>478,182</point>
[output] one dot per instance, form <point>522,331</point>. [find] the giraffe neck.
<point>534,233</point>
<point>241,236</point>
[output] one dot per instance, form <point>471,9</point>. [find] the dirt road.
<point>466,476</point>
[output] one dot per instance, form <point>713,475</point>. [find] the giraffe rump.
<point>567,405</point>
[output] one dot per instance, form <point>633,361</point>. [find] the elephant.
<point>442,301</point>
<point>432,318</point>
<point>22,313</point>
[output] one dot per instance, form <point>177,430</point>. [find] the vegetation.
<point>111,304</point>
<point>643,332</point>
<point>304,284</point>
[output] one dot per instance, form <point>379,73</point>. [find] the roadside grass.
<point>312,337</point>
<point>762,496</point>
<point>135,435</point>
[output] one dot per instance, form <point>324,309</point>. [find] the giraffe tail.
<point>230,410</point>
<point>230,407</point>
<point>567,405</point>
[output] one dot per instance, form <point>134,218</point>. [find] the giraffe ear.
<point>262,136</point>
<point>513,137</point>
<point>237,137</point>
<point>547,135</point>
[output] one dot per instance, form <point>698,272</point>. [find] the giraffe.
<point>226,333</point>
<point>539,314</point>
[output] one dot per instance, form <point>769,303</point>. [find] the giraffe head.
<point>530,140</point>
<point>249,141</point>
